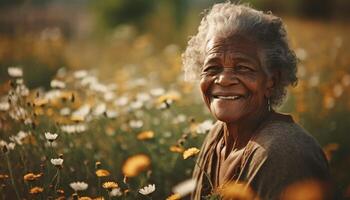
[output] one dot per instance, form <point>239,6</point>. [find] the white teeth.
<point>227,97</point>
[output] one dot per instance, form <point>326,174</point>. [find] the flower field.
<point>84,137</point>
<point>130,127</point>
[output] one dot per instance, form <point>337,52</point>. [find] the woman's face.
<point>233,83</point>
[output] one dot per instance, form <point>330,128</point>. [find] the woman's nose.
<point>226,77</point>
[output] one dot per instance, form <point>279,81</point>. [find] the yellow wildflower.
<point>40,102</point>
<point>36,190</point>
<point>174,197</point>
<point>190,152</point>
<point>176,149</point>
<point>31,177</point>
<point>166,97</point>
<point>135,165</point>
<point>145,135</point>
<point>77,118</point>
<point>109,185</point>
<point>102,173</point>
<point>38,111</point>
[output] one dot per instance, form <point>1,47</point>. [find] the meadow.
<point>129,120</point>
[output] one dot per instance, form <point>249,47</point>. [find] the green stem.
<point>206,174</point>
<point>53,179</point>
<point>99,186</point>
<point>109,196</point>
<point>23,160</point>
<point>58,180</point>
<point>11,176</point>
<point>52,150</point>
<point>2,193</point>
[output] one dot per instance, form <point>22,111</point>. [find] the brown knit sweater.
<point>280,153</point>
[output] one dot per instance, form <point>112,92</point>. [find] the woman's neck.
<point>238,134</point>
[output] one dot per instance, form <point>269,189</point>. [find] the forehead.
<point>236,44</point>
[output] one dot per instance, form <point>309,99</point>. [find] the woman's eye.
<point>243,68</point>
<point>212,69</point>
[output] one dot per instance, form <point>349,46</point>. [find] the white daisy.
<point>99,109</point>
<point>82,111</point>
<point>15,71</point>
<point>7,146</point>
<point>204,127</point>
<point>80,74</point>
<point>184,188</point>
<point>57,161</point>
<point>57,84</point>
<point>4,106</point>
<point>65,111</point>
<point>116,192</point>
<point>51,137</point>
<point>112,114</point>
<point>157,91</point>
<point>121,101</point>
<point>78,186</point>
<point>147,189</point>
<point>143,97</point>
<point>136,123</point>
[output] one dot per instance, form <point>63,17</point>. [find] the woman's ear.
<point>272,80</point>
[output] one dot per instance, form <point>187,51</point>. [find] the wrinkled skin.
<point>234,85</point>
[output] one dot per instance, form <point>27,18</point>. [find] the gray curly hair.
<point>228,19</point>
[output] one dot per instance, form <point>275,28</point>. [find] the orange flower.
<point>190,152</point>
<point>176,149</point>
<point>135,165</point>
<point>109,185</point>
<point>308,189</point>
<point>329,149</point>
<point>145,135</point>
<point>102,173</point>
<point>31,177</point>
<point>85,198</point>
<point>60,191</point>
<point>126,191</point>
<point>99,198</point>
<point>238,191</point>
<point>3,176</point>
<point>174,197</point>
<point>36,190</point>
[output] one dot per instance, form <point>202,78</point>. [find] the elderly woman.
<point>245,64</point>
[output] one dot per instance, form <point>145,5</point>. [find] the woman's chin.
<point>226,117</point>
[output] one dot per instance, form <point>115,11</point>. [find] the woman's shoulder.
<point>286,144</point>
<point>281,132</point>
<point>284,153</point>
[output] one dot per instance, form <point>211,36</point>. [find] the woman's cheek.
<point>204,87</point>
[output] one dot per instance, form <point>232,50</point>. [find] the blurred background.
<point>127,40</point>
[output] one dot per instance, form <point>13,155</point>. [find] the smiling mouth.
<point>233,97</point>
